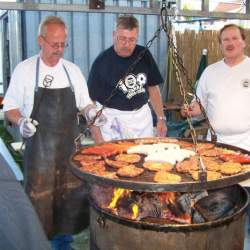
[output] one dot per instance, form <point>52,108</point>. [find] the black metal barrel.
<point>111,232</point>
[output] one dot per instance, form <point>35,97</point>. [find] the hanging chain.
<point>178,67</point>
<point>180,70</point>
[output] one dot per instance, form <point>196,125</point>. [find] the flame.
<point>118,193</point>
<point>135,209</point>
<point>169,211</point>
<point>168,197</point>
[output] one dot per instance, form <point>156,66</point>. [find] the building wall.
<point>91,33</point>
<point>88,35</point>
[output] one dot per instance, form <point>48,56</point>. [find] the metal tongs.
<point>82,135</point>
<point>202,174</point>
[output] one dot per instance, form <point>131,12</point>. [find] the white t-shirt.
<point>20,94</point>
<point>224,92</point>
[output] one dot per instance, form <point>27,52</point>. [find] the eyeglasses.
<point>124,39</point>
<point>56,45</point>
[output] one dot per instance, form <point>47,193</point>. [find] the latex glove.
<point>27,127</point>
<point>91,113</point>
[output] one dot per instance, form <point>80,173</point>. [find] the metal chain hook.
<point>179,67</point>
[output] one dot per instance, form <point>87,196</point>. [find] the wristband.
<point>161,118</point>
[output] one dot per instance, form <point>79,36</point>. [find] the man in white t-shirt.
<point>224,91</point>
<point>45,94</point>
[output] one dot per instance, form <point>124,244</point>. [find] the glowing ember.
<point>168,197</point>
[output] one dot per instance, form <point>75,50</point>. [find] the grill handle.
<point>101,221</point>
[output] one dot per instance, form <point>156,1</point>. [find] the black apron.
<point>59,198</point>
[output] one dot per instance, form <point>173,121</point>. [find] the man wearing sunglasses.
<point>45,94</point>
<point>125,80</point>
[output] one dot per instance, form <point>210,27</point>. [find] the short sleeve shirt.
<point>20,93</point>
<point>112,84</point>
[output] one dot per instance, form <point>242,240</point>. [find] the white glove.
<point>91,114</point>
<point>27,127</point>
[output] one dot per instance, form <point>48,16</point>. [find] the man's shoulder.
<point>247,60</point>
<point>105,54</point>
<point>26,64</point>
<point>68,63</point>
<point>139,47</point>
<point>104,58</point>
<point>214,66</point>
<point>29,61</point>
<point>72,67</point>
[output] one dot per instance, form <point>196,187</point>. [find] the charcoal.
<point>125,212</point>
<point>197,218</point>
<point>150,206</point>
<point>187,200</point>
<point>214,206</point>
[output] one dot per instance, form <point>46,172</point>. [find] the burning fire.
<point>135,210</point>
<point>162,207</point>
<point>165,206</point>
<point>118,193</point>
<point>168,197</point>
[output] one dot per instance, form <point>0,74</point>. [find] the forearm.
<point>156,101</point>
<point>13,116</point>
<point>96,134</point>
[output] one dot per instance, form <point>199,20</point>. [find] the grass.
<point>7,138</point>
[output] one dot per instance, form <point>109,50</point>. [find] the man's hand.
<point>27,127</point>
<point>191,110</point>
<point>94,116</point>
<point>161,128</point>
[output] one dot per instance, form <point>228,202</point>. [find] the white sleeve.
<point>20,93</point>
<point>15,93</point>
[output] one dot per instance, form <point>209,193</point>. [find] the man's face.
<point>125,41</point>
<point>232,44</point>
<point>53,44</point>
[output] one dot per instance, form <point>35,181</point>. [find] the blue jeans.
<point>61,242</point>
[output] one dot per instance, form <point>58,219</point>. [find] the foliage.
<point>7,138</point>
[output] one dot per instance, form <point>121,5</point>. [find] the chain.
<point>179,69</point>
<point>182,74</point>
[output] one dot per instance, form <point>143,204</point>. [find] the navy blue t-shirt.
<point>108,71</point>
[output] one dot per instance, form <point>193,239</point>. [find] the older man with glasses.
<point>44,96</point>
<point>125,88</point>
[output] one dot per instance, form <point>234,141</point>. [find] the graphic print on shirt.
<point>245,83</point>
<point>133,84</point>
<point>47,81</point>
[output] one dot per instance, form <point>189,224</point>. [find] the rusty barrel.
<point>111,232</point>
